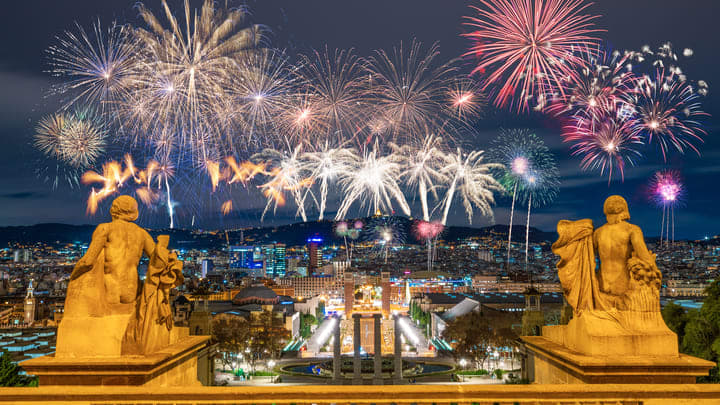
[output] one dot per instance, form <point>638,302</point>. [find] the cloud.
<point>23,195</point>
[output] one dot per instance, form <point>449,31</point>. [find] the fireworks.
<point>529,170</point>
<point>285,174</point>
<point>96,66</point>
<point>465,99</point>
<point>471,178</point>
<point>421,168</point>
<point>335,81</point>
<point>77,139</point>
<point>601,86</point>
<point>526,47</point>
<point>185,73</point>
<point>605,145</point>
<point>407,87</point>
<point>326,165</point>
<point>666,113</point>
<point>667,190</point>
<point>374,182</point>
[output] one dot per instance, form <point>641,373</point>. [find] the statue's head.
<point>616,209</point>
<point>125,208</point>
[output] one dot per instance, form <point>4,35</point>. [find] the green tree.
<point>702,331</point>
<point>320,310</point>
<point>10,374</point>
<point>306,323</point>
<point>675,318</point>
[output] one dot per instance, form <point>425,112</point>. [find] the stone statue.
<point>105,294</point>
<point>622,300</point>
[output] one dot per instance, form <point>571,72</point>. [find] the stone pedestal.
<point>377,356</point>
<point>357,368</point>
<point>173,366</point>
<point>337,358</point>
<point>550,362</point>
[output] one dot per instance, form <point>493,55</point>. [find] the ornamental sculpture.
<point>109,312</point>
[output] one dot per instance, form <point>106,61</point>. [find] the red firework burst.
<point>526,47</point>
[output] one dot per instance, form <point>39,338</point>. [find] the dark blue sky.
<point>298,25</point>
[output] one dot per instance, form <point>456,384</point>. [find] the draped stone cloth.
<point>149,328</point>
<point>576,268</point>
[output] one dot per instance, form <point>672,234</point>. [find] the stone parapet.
<point>596,394</point>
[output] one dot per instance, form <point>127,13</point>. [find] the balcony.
<point>586,394</point>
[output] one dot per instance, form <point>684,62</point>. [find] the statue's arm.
<point>148,244</point>
<point>97,243</point>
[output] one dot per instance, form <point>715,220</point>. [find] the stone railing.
<point>585,394</point>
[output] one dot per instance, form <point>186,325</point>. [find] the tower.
<point>314,249</point>
<point>29,305</point>
<point>533,318</point>
<point>385,284</point>
<point>349,289</point>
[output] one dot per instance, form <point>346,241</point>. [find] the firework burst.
<point>335,80</point>
<point>96,67</point>
<point>407,88</point>
<point>667,112</point>
<point>607,145</point>
<point>325,166</point>
<point>526,47</point>
<point>184,74</point>
<point>470,177</point>
<point>667,191</point>
<point>373,181</point>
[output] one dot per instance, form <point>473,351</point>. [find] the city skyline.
<point>27,199</point>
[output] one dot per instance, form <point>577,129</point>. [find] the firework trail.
<point>541,187</point>
<point>526,47</point>
<point>373,180</point>
<point>472,179</point>
<point>326,165</point>
<point>428,231</point>
<point>667,191</point>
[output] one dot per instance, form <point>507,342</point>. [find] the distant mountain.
<point>292,234</point>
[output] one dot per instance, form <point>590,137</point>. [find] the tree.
<point>271,335</point>
<point>320,310</point>
<point>471,336</point>
<point>10,373</point>
<point>675,318</point>
<point>232,335</point>
<point>306,323</point>
<point>702,330</point>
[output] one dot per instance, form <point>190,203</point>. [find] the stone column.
<point>397,373</point>
<point>377,359</point>
<point>337,360</point>
<point>357,376</point>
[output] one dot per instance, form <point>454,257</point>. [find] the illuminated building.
<point>314,249</point>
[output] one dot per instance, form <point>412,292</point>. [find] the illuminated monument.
<point>617,333</point>
<point>114,333</point>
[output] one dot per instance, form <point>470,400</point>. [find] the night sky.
<point>29,27</point>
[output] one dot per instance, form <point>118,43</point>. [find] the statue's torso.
<point>612,242</point>
<point>123,251</point>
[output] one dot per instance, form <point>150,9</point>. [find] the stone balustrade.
<point>566,394</point>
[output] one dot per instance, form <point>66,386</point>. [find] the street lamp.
<point>463,363</point>
<point>271,364</point>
